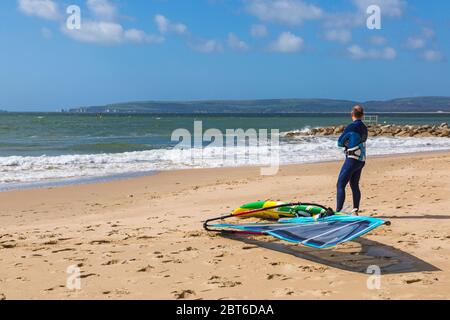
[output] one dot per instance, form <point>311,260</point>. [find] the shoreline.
<point>74,181</point>
<point>134,175</point>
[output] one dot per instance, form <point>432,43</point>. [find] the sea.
<point>49,149</point>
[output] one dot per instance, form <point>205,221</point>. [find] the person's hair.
<point>358,112</point>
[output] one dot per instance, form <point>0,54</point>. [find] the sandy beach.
<point>142,238</point>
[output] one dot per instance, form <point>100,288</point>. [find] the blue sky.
<point>219,49</point>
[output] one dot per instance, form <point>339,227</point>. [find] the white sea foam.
<point>14,170</point>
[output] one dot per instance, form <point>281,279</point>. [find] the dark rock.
<point>442,130</point>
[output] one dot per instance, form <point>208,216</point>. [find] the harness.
<point>357,153</point>
<point>354,143</point>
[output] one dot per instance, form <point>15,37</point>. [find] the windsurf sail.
<point>321,234</point>
<point>322,230</point>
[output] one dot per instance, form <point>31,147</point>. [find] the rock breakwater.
<point>388,130</point>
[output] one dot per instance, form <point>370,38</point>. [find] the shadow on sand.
<point>355,256</point>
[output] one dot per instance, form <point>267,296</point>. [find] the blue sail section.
<point>322,233</point>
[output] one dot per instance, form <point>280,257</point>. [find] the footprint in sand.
<point>229,284</point>
<point>323,293</point>
<point>50,243</point>
<point>128,261</point>
<point>9,244</point>
<point>54,288</point>
<point>313,269</point>
<point>183,294</point>
<point>411,281</point>
<point>213,280</point>
<point>193,234</point>
<point>282,292</point>
<point>64,239</point>
<point>96,242</point>
<point>172,261</point>
<point>84,276</point>
<point>148,268</point>
<point>249,247</point>
<point>63,250</point>
<point>146,237</point>
<point>110,262</point>
<point>277,276</point>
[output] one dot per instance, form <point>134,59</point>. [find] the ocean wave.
<point>20,169</point>
<point>113,147</point>
<point>304,130</point>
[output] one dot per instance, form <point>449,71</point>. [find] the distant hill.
<point>418,104</point>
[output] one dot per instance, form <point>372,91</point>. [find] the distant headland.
<point>416,104</point>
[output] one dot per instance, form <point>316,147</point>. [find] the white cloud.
<point>97,32</point>
<point>45,9</point>
<point>338,35</point>
<point>378,40</point>
<point>287,43</point>
<point>102,9</point>
<point>258,31</point>
<point>236,44</point>
<point>166,26</point>
<point>420,41</point>
<point>343,20</point>
<point>102,32</point>
<point>425,42</point>
<point>206,46</point>
<point>358,53</point>
<point>338,25</point>
<point>428,32</point>
<point>415,43</point>
<point>433,56</point>
<point>139,36</point>
<point>389,8</point>
<point>290,12</point>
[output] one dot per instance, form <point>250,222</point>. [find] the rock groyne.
<point>387,130</point>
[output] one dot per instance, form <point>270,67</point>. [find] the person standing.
<point>353,140</point>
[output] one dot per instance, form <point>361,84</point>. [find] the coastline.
<point>142,238</point>
<point>31,157</point>
<point>132,175</point>
<point>75,181</point>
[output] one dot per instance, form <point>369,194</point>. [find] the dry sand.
<point>142,238</point>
